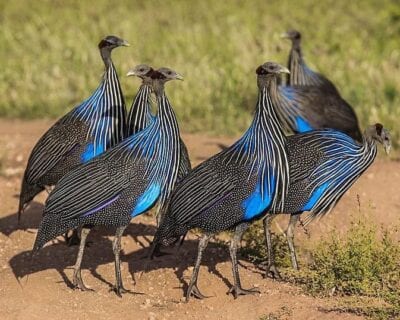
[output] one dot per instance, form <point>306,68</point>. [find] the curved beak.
<point>285,35</point>
<point>131,73</point>
<point>284,70</point>
<point>125,43</point>
<point>179,77</point>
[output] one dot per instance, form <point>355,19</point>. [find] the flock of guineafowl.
<point>108,166</point>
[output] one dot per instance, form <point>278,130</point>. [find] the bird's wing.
<point>52,148</point>
<point>202,188</point>
<point>89,187</point>
<point>325,109</point>
<point>303,156</point>
<point>344,160</point>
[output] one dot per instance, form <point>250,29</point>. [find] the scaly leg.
<point>237,289</point>
<point>119,288</point>
<point>290,236</point>
<point>77,279</point>
<point>193,289</point>
<point>271,268</point>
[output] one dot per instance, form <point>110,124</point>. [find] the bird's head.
<point>167,74</point>
<point>380,134</point>
<point>111,42</point>
<point>161,76</point>
<point>293,35</point>
<point>142,71</point>
<point>268,71</point>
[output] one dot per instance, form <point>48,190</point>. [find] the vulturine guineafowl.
<point>85,132</point>
<point>140,117</point>
<point>232,188</point>
<point>311,101</point>
<point>300,73</point>
<point>118,185</point>
<point>323,164</point>
<point>304,108</point>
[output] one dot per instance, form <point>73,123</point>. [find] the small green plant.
<point>361,263</point>
<point>282,313</point>
<point>255,248</point>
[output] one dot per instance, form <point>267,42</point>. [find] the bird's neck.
<point>367,138</point>
<point>166,115</point>
<point>106,56</point>
<point>295,58</point>
<point>271,88</point>
<point>139,116</point>
<point>296,48</point>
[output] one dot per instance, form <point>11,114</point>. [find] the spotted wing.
<point>203,188</point>
<point>52,148</point>
<point>89,187</point>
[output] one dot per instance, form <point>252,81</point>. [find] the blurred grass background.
<point>49,59</point>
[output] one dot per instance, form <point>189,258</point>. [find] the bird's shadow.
<point>30,219</point>
<point>58,256</point>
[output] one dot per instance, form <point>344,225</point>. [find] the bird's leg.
<point>119,288</point>
<point>237,289</point>
<point>193,289</point>
<point>271,268</point>
<point>77,279</point>
<point>290,236</point>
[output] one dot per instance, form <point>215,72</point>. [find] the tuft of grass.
<point>255,248</point>
<point>49,59</point>
<point>282,313</point>
<point>362,263</point>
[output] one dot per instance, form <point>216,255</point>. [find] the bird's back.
<point>313,108</point>
<point>323,166</point>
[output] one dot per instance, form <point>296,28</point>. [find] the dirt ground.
<point>41,288</point>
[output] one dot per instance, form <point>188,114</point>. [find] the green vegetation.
<point>363,263</point>
<point>49,60</point>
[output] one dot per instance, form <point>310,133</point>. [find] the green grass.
<point>363,263</point>
<point>49,60</point>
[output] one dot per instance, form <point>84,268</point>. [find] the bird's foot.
<point>272,272</point>
<point>239,291</point>
<point>78,284</point>
<point>120,290</point>
<point>194,291</point>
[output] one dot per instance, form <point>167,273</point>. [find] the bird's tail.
<point>51,227</point>
<point>28,192</point>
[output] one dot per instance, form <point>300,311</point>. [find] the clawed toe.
<point>78,284</point>
<point>194,291</point>
<point>120,290</point>
<point>272,272</point>
<point>239,291</point>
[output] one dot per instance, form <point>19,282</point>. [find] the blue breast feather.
<point>92,150</point>
<point>258,202</point>
<point>99,129</point>
<point>147,199</point>
<point>315,197</point>
<point>302,125</point>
